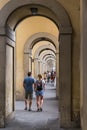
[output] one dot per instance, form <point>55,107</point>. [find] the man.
<point>28,84</point>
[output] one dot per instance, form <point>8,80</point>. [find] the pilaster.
<point>65,79</point>
<point>2,79</point>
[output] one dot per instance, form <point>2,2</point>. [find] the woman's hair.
<point>39,76</point>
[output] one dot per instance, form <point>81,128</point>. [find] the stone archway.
<point>41,50</point>
<point>29,45</point>
<point>8,23</point>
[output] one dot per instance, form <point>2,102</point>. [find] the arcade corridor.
<point>48,119</point>
<point>42,36</point>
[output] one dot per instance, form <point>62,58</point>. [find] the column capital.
<point>10,42</point>
<point>36,58</point>
<point>2,31</point>
<point>28,53</point>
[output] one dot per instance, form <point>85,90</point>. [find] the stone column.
<point>39,66</point>
<point>36,71</point>
<point>83,65</point>
<point>27,62</point>
<point>65,79</point>
<point>10,78</point>
<point>30,63</point>
<point>6,75</point>
<point>32,67</point>
<point>43,67</point>
<point>46,67</point>
<point>2,79</point>
<point>57,74</point>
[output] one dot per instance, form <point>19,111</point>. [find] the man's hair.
<point>29,73</point>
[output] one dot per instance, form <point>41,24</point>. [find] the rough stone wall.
<point>2,80</point>
<point>83,65</point>
<point>73,9</point>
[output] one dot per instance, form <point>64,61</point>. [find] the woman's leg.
<point>38,102</point>
<point>41,102</point>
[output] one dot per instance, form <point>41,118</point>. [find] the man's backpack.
<point>39,85</point>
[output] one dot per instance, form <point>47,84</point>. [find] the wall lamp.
<point>34,10</point>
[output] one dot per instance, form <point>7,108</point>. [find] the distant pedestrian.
<point>48,76</point>
<point>45,77</point>
<point>28,83</point>
<point>40,87</point>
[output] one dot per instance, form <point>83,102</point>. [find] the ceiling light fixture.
<point>34,10</point>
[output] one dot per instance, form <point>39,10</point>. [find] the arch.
<point>31,42</point>
<point>51,8</point>
<point>38,58</point>
<point>46,49</point>
<point>39,37</point>
<point>38,54</point>
<point>44,52</point>
<point>50,59</point>
<point>8,23</point>
<point>41,49</point>
<point>48,55</point>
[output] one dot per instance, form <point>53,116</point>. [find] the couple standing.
<point>38,86</point>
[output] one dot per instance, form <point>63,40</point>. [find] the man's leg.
<point>30,100</point>
<point>30,104</point>
<point>25,104</point>
<point>26,97</point>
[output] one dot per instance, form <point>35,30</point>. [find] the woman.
<point>39,89</point>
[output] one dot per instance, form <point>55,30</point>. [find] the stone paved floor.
<point>48,119</point>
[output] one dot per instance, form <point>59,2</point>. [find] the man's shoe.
<point>41,109</point>
<point>29,109</point>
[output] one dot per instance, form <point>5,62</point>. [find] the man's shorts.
<point>28,95</point>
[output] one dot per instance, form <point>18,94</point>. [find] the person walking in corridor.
<point>40,87</point>
<point>28,83</point>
